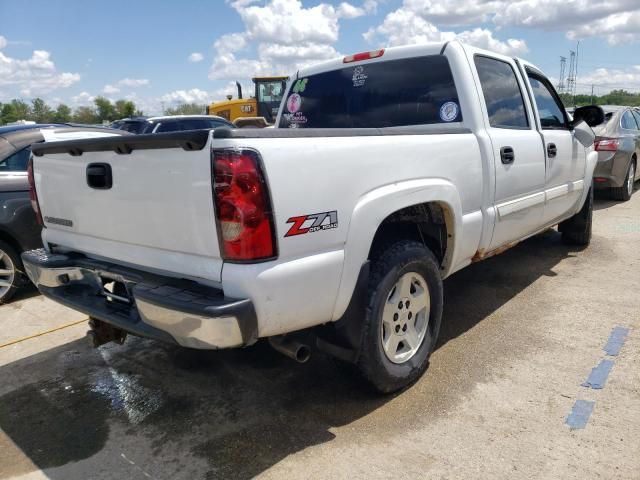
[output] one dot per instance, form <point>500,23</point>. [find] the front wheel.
<point>577,229</point>
<point>403,316</point>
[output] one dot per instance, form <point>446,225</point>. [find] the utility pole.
<point>592,94</point>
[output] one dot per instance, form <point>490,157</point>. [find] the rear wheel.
<point>624,192</point>
<point>403,316</point>
<point>10,277</point>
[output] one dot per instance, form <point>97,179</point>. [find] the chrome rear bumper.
<point>148,305</point>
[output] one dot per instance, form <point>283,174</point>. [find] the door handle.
<point>99,176</point>
<point>552,151</point>
<point>507,155</point>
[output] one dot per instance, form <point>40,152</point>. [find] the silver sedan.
<point>618,146</point>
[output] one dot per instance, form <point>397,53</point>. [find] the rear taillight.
<point>33,196</point>
<point>607,144</point>
<point>357,57</point>
<point>243,206</point>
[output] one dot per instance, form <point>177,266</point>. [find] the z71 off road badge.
<point>312,223</point>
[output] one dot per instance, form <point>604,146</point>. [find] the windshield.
<point>409,91</point>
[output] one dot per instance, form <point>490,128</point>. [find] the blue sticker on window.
<point>449,111</point>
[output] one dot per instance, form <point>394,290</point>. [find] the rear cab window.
<point>393,93</point>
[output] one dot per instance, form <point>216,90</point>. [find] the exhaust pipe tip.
<point>291,348</point>
<point>303,354</point>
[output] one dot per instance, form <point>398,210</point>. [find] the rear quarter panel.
<point>363,180</point>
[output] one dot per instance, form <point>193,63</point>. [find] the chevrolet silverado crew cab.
<point>387,171</point>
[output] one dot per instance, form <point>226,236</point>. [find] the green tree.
<point>15,110</point>
<point>62,114</point>
<point>40,111</point>
<point>125,108</point>
<point>85,115</point>
<point>186,109</point>
<point>105,110</point>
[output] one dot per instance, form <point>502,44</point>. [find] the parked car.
<point>618,147</point>
<point>171,123</point>
<point>387,172</point>
<point>19,229</point>
<point>132,125</point>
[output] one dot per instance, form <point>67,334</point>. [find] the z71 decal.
<point>312,223</point>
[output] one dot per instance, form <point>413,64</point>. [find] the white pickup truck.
<point>387,171</point>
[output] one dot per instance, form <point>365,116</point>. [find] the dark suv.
<point>170,123</point>
<point>19,230</point>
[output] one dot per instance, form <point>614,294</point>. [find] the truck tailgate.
<point>157,214</point>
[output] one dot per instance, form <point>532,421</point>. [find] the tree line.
<point>102,110</point>
<point>614,97</point>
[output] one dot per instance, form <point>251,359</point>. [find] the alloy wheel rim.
<point>7,273</point>
<point>405,317</point>
<point>632,174</point>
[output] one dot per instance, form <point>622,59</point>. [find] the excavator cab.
<point>269,92</point>
<point>258,111</point>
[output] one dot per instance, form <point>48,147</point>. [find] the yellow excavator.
<point>259,110</point>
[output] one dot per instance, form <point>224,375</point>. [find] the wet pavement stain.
<point>54,425</point>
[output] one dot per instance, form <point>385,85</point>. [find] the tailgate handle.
<point>99,176</point>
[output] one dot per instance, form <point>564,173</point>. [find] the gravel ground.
<point>521,333</point>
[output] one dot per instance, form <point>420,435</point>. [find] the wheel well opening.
<point>424,222</point>
<point>9,240</point>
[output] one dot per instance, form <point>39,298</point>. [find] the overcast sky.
<point>166,52</point>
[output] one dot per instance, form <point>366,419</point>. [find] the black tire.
<point>398,259</point>
<point>17,278</point>
<point>622,194</point>
<point>577,230</point>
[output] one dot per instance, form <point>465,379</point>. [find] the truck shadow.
<point>75,412</point>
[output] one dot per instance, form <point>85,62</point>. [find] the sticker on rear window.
<point>359,77</point>
<point>449,111</point>
<point>300,85</point>
<point>293,103</point>
<point>295,119</point>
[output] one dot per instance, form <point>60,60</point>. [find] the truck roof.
<point>391,53</point>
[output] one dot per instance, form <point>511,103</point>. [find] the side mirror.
<point>583,133</point>
<point>592,115</point>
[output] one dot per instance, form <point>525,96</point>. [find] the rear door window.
<point>628,121</point>
<point>195,124</point>
<point>502,94</point>
<point>168,127</point>
<point>409,91</point>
